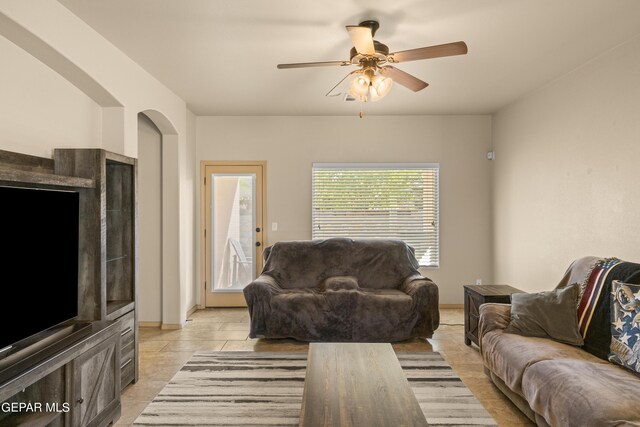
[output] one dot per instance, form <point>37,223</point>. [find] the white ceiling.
<point>220,56</point>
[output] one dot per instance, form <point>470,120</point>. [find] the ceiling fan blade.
<point>402,78</point>
<point>362,39</point>
<point>313,64</point>
<point>439,51</point>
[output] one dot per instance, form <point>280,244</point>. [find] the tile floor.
<point>163,353</point>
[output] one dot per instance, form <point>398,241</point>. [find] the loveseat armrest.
<point>493,316</point>
<point>424,294</point>
<point>258,295</point>
<point>263,284</point>
<point>415,284</point>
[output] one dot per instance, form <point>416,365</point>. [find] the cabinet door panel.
<point>96,382</point>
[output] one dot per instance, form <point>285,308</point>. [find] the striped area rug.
<point>265,389</point>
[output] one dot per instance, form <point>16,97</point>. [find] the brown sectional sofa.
<point>552,383</point>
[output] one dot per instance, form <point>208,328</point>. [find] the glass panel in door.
<point>233,237</point>
<point>233,224</point>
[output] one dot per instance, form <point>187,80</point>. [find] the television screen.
<point>38,260</point>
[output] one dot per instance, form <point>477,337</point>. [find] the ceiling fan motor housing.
<point>371,23</point>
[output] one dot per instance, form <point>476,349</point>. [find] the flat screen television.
<point>38,261</point>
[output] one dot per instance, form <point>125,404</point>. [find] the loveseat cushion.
<point>582,393</point>
<point>509,355</point>
<point>344,315</point>
<point>391,302</point>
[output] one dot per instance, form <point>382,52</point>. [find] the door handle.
<point>258,244</point>
<point>258,230</point>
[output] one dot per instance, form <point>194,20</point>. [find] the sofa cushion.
<point>509,355</point>
<point>625,325</point>
<point>339,283</point>
<point>550,314</point>
<point>582,393</point>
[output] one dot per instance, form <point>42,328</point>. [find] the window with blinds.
<point>379,200</point>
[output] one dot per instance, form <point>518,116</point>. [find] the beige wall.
<point>40,110</point>
<point>291,144</point>
<point>189,234</point>
<point>566,181</point>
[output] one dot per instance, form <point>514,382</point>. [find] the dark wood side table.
<point>476,295</point>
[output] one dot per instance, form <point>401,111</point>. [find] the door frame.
<point>203,213</point>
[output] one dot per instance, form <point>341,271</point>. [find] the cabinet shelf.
<point>117,308</point>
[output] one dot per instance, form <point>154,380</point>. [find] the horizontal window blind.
<point>391,201</point>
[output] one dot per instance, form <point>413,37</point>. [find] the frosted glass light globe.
<point>380,87</point>
<point>359,86</point>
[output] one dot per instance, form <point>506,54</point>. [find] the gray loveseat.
<point>342,290</point>
<point>558,384</point>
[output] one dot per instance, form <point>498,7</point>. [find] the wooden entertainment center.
<point>77,380</point>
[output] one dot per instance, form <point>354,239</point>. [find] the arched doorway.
<point>162,257</point>
<point>150,222</point>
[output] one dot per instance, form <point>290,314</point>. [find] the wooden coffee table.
<point>357,384</point>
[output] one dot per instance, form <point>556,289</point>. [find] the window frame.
<point>384,166</point>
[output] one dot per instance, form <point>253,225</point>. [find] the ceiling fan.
<point>375,76</point>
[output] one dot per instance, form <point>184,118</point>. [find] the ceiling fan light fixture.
<point>380,87</point>
<point>359,85</point>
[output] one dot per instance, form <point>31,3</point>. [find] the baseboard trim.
<point>144,324</point>
<point>193,310</point>
<point>450,306</point>
<point>160,325</point>
<point>171,326</point>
